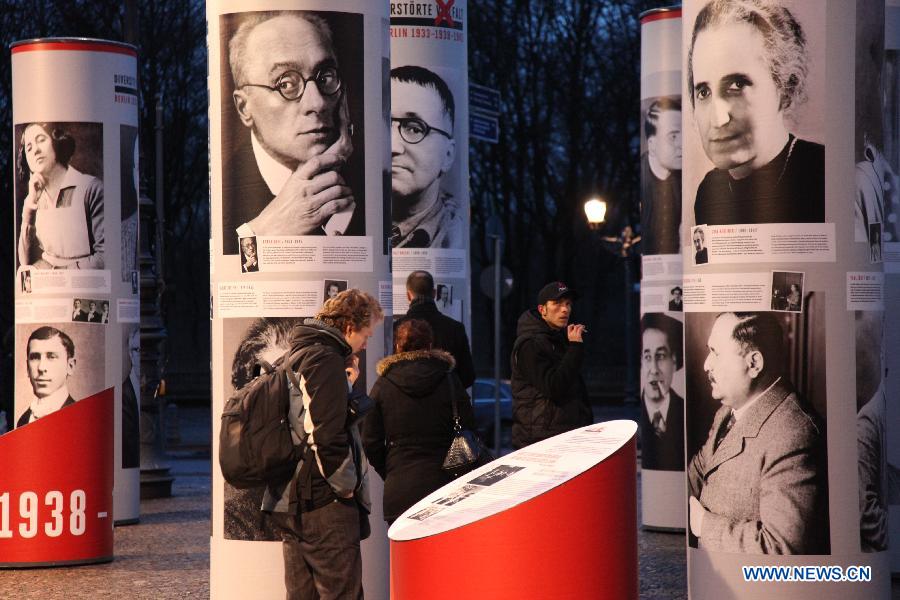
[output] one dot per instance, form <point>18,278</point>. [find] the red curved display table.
<point>557,519</point>
<point>56,487</point>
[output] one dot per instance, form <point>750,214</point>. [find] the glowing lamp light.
<point>595,210</point>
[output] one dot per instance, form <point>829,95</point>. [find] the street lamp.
<point>595,211</point>
<point>622,245</point>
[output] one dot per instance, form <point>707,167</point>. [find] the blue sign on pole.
<point>484,128</point>
<point>484,99</point>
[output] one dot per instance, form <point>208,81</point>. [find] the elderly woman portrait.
<point>62,211</point>
<point>748,67</point>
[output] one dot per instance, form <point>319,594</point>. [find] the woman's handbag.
<point>466,450</point>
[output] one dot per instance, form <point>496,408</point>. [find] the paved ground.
<point>166,555</point>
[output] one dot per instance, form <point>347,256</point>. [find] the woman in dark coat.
<point>408,432</point>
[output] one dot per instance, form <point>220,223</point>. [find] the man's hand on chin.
<point>311,195</point>
<point>697,512</point>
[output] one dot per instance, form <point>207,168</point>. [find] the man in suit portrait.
<point>759,482</point>
<point>78,313</point>
<point>93,315</point>
<point>661,178</point>
<point>675,302</point>
<point>104,313</point>
<point>283,171</point>
<point>422,151</point>
<point>131,408</point>
<point>662,409</point>
<point>50,360</point>
<point>701,256</point>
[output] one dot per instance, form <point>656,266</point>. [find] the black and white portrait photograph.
<point>25,281</point>
<point>249,255</point>
<point>874,467</point>
<point>498,473</point>
<point>676,301</point>
<point>90,310</point>
<point>292,125</point>
<point>59,195</point>
<point>661,175</point>
<point>876,181</point>
<point>333,287</point>
<point>875,242</point>
<point>458,495</point>
<point>698,240</point>
<point>426,512</point>
<point>60,364</point>
<point>787,291</point>
<point>427,209</point>
<point>443,296</point>
<point>135,282</point>
<point>247,341</point>
<point>662,407</point>
<point>755,79</point>
<point>131,390</point>
<point>129,151</point>
<point>756,440</point>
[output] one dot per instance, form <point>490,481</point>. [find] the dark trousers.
<point>321,552</point>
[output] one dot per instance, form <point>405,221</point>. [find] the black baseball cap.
<point>555,290</point>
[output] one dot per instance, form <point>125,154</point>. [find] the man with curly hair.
<point>322,513</point>
<point>747,73</point>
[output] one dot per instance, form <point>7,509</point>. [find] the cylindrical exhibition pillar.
<point>784,298</point>
<point>75,253</point>
<point>662,355</point>
<point>298,92</point>
<point>887,172</point>
<point>430,174</point>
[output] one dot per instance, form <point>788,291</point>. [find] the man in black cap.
<point>449,334</point>
<point>549,395</point>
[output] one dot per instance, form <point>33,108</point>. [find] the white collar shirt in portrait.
<point>41,407</point>
<point>661,406</point>
<point>743,410</point>
<point>273,172</point>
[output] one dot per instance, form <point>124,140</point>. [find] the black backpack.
<point>256,443</point>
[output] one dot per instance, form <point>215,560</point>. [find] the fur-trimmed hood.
<point>393,359</point>
<point>416,373</point>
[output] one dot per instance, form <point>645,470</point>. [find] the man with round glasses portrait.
<point>284,171</point>
<point>422,151</point>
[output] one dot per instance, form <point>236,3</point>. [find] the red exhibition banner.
<point>56,487</point>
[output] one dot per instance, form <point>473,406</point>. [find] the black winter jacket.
<point>408,432</point>
<point>334,442</point>
<point>449,335</point>
<point>549,395</point>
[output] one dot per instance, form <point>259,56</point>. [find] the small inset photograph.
<point>875,242</point>
<point>698,237</point>
<point>787,291</point>
<point>25,281</point>
<point>249,257</point>
<point>426,512</point>
<point>135,282</point>
<point>443,296</point>
<point>89,310</point>
<point>333,287</point>
<point>496,474</point>
<point>458,495</point>
<point>675,296</point>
